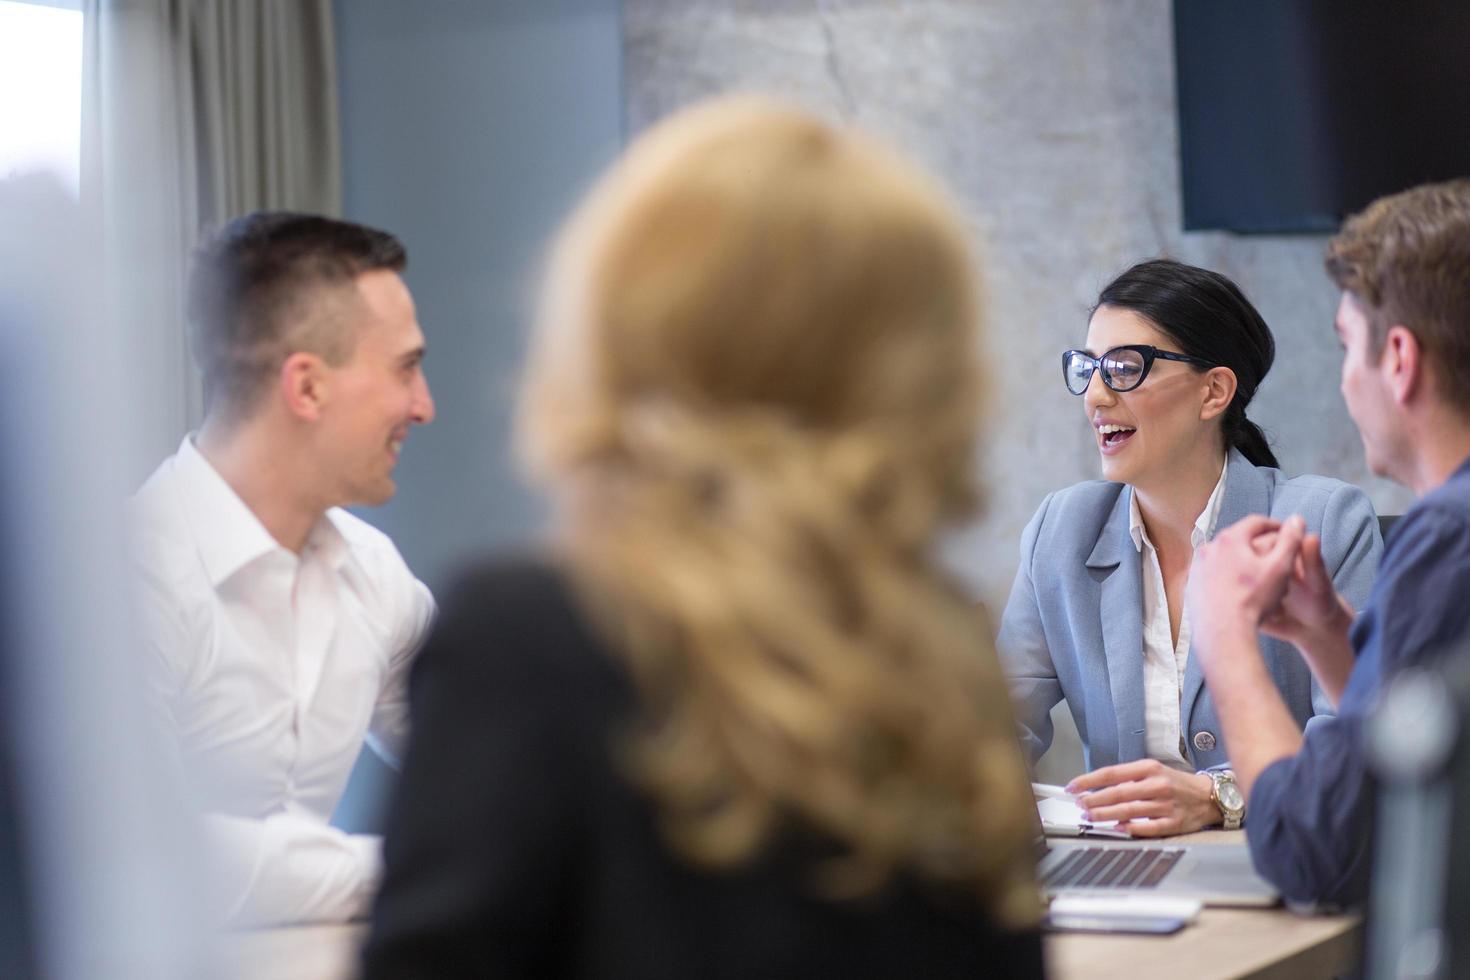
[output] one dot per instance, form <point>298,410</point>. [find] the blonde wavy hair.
<point>754,392</point>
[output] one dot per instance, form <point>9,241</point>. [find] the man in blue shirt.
<point>1404,325</point>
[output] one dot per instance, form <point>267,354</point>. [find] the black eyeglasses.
<point>1123,368</point>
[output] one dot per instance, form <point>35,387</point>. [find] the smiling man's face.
<point>1364,389</point>
<point>378,394</point>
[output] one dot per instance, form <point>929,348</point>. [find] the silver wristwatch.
<point>1225,793</point>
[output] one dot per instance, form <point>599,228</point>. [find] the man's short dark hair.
<point>250,290</point>
<point>1405,257</point>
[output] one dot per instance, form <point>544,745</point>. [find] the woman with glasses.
<point>1173,356</point>
<point>733,722</point>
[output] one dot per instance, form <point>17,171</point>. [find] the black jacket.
<point>517,848</point>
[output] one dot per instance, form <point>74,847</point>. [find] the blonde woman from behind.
<point>735,721</point>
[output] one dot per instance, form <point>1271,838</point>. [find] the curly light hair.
<point>755,393</point>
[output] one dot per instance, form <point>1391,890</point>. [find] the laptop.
<point>1215,874</point>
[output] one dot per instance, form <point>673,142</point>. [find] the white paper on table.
<point>1061,815</point>
<point>1130,905</point>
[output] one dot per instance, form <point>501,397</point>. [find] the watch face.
<point>1230,796</point>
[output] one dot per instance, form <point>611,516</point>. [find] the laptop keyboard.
<point>1113,867</point>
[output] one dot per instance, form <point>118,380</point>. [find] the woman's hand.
<point>1173,802</point>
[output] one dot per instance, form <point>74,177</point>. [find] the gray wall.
<point>1054,126</point>
<point>469,129</point>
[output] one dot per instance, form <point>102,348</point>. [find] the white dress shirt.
<point>268,670</point>
<point>1164,659</point>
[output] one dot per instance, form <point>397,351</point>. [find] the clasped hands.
<point>1259,574</point>
<point>1267,575</point>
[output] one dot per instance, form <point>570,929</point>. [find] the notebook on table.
<point>1062,817</point>
<point>1216,874</point>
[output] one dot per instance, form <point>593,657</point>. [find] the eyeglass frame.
<point>1149,353</point>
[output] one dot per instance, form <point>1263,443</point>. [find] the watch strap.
<point>1229,819</point>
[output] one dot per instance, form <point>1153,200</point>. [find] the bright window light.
<point>41,90</point>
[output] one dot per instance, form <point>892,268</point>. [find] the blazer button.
<point>1204,741</point>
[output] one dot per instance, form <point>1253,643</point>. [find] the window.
<point>41,89</point>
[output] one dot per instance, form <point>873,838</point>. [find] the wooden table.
<point>319,952</point>
<point>1222,944</point>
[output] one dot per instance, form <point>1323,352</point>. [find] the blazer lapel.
<point>1121,614</point>
<point>1247,491</point>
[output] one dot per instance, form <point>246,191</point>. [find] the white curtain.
<point>196,111</point>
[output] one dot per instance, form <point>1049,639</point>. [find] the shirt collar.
<point>1463,469</point>
<point>228,533</point>
<point>1204,525</point>
<point>327,542</point>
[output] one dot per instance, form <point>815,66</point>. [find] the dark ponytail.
<point>1208,317</point>
<point>1250,440</point>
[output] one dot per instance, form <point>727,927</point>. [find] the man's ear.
<point>1220,385</point>
<point>303,382</point>
<point>1403,364</point>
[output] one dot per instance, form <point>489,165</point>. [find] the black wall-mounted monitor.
<point>1295,113</point>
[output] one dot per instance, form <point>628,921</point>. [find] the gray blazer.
<point>1073,627</point>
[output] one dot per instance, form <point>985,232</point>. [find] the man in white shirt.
<point>280,628</point>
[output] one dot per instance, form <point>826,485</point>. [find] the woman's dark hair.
<point>1208,317</point>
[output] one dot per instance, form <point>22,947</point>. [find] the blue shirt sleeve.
<point>1310,815</point>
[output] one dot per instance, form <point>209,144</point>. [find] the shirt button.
<point>1204,741</point>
